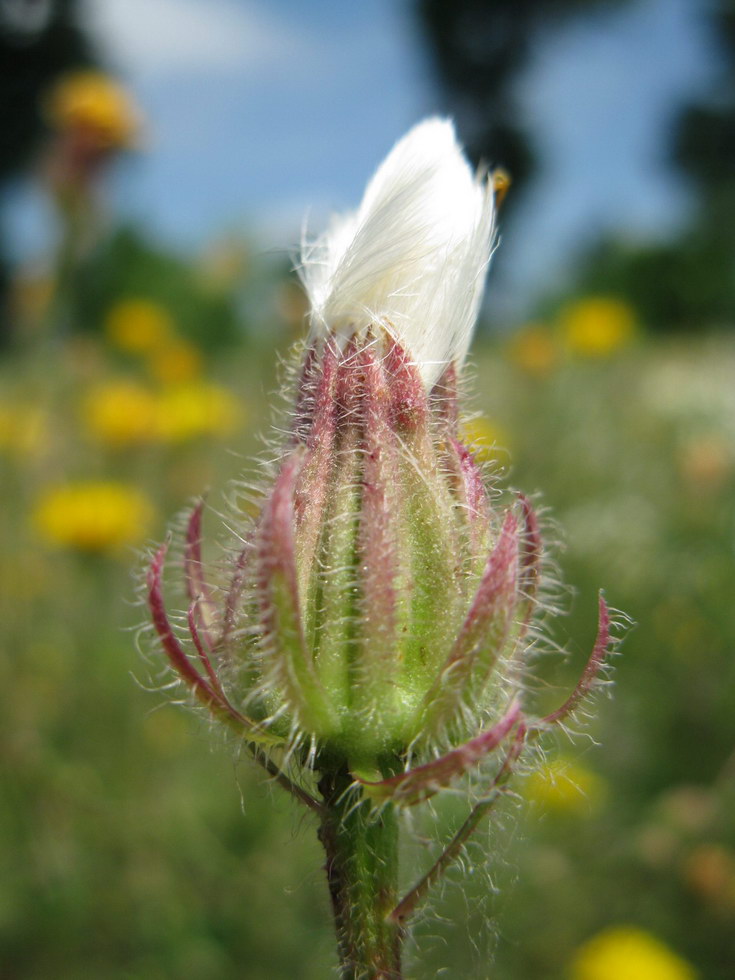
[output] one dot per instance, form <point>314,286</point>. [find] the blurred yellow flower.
<point>125,413</point>
<point>120,413</point>
<point>139,326</point>
<point>93,103</point>
<point>174,362</point>
<point>23,429</point>
<point>597,326</point>
<point>187,411</point>
<point>628,953</point>
<point>534,349</point>
<point>486,440</point>
<point>93,516</point>
<point>566,787</point>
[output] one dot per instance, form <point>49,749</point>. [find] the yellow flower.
<point>534,349</point>
<point>175,362</point>
<point>565,787</point>
<point>187,411</point>
<point>91,102</point>
<point>628,953</point>
<point>93,516</point>
<point>486,440</point>
<point>139,326</point>
<point>597,326</point>
<point>120,413</point>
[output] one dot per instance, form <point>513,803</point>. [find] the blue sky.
<point>259,111</point>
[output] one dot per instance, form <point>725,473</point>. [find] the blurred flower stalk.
<point>369,633</point>
<point>93,120</point>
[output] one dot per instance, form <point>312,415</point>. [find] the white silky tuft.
<point>413,257</point>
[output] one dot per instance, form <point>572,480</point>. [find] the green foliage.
<point>129,264</point>
<point>685,285</point>
<point>479,48</point>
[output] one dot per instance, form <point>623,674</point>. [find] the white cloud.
<point>165,37</point>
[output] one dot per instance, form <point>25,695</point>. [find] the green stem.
<point>361,847</point>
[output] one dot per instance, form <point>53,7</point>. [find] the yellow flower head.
<point>139,326</point>
<point>93,516</point>
<point>486,440</point>
<point>628,953</point>
<point>174,362</point>
<point>187,411</point>
<point>565,787</point>
<point>120,413</point>
<point>92,103</point>
<point>597,326</point>
<point>534,349</point>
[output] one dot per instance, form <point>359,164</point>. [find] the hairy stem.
<point>361,846</point>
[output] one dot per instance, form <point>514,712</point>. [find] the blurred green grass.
<point>133,847</point>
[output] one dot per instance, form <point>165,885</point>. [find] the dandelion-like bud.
<point>376,616</point>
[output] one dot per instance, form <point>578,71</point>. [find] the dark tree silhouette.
<point>39,40</point>
<point>689,283</point>
<point>478,49</point>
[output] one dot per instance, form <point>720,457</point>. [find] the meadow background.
<point>141,328</point>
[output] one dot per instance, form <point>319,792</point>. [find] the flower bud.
<point>378,606</point>
<point>405,586</point>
